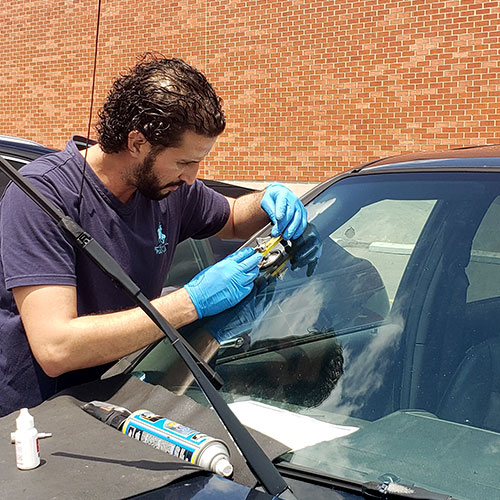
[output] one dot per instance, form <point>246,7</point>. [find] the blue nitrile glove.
<point>306,250</point>
<point>224,284</point>
<point>243,317</point>
<point>286,211</point>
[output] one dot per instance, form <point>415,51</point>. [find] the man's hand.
<point>286,211</point>
<point>224,284</point>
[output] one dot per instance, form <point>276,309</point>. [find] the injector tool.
<point>273,249</point>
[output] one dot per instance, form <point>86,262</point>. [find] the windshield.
<point>381,365</point>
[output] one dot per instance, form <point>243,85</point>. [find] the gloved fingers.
<point>287,220</point>
<point>281,205</point>
<point>285,215</point>
<point>250,261</point>
<point>241,254</point>
<point>298,222</point>
<point>268,205</point>
<point>249,278</point>
<point>249,275</point>
<point>275,203</point>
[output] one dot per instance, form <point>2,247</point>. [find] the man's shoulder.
<point>56,175</point>
<point>45,163</point>
<point>58,168</point>
<point>198,189</point>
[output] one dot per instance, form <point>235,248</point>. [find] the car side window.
<point>483,270</point>
<point>385,233</point>
<point>192,256</point>
<point>17,163</point>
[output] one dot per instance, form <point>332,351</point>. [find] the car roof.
<point>473,156</point>
<point>22,148</point>
<point>19,140</point>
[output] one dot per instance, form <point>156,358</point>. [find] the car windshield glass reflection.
<point>382,324</point>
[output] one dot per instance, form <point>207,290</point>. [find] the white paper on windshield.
<point>293,430</point>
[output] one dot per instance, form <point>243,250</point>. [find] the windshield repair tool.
<point>165,435</point>
<point>273,249</point>
<point>269,244</point>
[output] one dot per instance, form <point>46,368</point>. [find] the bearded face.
<point>148,183</point>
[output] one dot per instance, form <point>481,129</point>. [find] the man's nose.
<point>189,174</point>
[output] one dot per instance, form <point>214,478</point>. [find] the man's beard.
<point>147,182</point>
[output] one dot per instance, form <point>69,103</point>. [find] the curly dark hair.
<point>161,98</point>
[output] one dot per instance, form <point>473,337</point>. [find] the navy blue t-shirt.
<point>141,235</point>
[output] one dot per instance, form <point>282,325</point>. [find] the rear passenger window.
<point>385,233</point>
<point>483,270</point>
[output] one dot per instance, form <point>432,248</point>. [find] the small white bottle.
<point>26,441</point>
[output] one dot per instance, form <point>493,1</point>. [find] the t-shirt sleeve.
<point>205,212</point>
<point>33,249</point>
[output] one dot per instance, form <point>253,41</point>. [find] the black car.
<point>379,371</point>
<point>375,376</point>
<point>19,152</point>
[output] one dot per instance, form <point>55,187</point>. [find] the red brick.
<point>310,89</point>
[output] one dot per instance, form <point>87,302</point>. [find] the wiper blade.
<point>238,341</point>
<point>373,489</point>
<point>390,490</point>
<point>278,345</point>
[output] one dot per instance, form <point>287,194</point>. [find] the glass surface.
<point>384,364</point>
<point>192,256</point>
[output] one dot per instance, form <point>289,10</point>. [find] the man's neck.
<point>109,168</point>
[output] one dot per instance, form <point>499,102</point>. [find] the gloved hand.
<point>286,211</point>
<point>243,317</point>
<point>306,250</point>
<point>224,284</point>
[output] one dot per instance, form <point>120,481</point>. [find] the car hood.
<point>85,458</point>
<point>413,448</point>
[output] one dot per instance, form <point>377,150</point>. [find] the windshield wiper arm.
<point>372,489</point>
<point>275,346</point>
<point>258,462</point>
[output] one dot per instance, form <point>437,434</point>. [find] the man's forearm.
<point>130,330</point>
<point>62,341</point>
<point>246,218</point>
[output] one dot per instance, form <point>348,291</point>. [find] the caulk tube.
<point>179,441</point>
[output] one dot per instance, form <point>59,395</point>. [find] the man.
<point>62,321</point>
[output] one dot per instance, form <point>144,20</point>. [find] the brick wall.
<point>310,87</point>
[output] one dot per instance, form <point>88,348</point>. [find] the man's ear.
<point>136,143</point>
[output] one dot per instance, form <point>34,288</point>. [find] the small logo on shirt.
<point>162,241</point>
